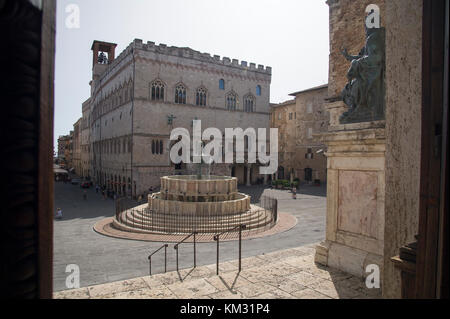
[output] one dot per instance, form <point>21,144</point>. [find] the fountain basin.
<point>205,189</point>
<point>240,204</point>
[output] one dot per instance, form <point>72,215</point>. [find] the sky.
<point>291,36</point>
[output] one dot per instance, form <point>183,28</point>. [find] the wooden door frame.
<point>432,249</point>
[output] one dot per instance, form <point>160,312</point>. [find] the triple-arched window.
<point>157,147</point>
<point>200,98</point>
<point>157,90</point>
<point>249,103</point>
<point>231,101</point>
<point>180,94</point>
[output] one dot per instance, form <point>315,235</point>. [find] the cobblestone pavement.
<point>104,259</point>
<point>285,274</point>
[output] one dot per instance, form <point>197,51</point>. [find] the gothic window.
<point>180,94</point>
<point>201,97</point>
<point>157,89</point>
<point>157,147</point>
<point>249,103</point>
<point>258,90</point>
<point>222,84</point>
<point>231,99</point>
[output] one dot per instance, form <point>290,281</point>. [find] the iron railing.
<point>195,250</point>
<point>165,257</point>
<point>217,239</point>
<point>147,220</point>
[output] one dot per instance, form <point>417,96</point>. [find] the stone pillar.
<point>355,196</point>
<point>249,168</point>
<point>266,178</point>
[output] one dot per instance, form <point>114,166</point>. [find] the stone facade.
<point>85,147</point>
<point>299,122</point>
<point>76,157</point>
<point>282,117</point>
<point>65,150</point>
<point>403,132</point>
<point>140,96</point>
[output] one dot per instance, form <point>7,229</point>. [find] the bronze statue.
<point>364,92</point>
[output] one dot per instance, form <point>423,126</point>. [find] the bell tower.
<point>102,55</point>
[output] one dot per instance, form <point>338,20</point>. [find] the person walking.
<point>294,192</point>
<point>85,195</point>
<point>96,188</point>
<point>59,213</point>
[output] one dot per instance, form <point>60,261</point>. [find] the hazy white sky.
<point>291,36</point>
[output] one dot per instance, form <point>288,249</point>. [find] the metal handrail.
<point>165,257</point>
<point>217,238</point>
<point>180,242</point>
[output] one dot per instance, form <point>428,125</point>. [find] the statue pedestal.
<point>355,196</point>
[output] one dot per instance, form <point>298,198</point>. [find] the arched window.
<point>231,99</point>
<point>201,97</point>
<point>180,94</point>
<point>222,84</point>
<point>157,91</point>
<point>258,90</point>
<point>161,147</point>
<point>249,103</point>
<point>153,147</point>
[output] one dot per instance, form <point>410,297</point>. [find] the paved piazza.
<point>285,274</point>
<point>103,259</point>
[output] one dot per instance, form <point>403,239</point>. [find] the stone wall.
<point>403,131</point>
<point>346,31</point>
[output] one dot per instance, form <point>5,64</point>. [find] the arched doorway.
<point>308,174</point>
<point>281,172</point>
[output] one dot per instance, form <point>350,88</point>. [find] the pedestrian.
<point>104,194</point>
<point>96,188</point>
<point>59,213</point>
<point>294,192</point>
<point>85,195</point>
